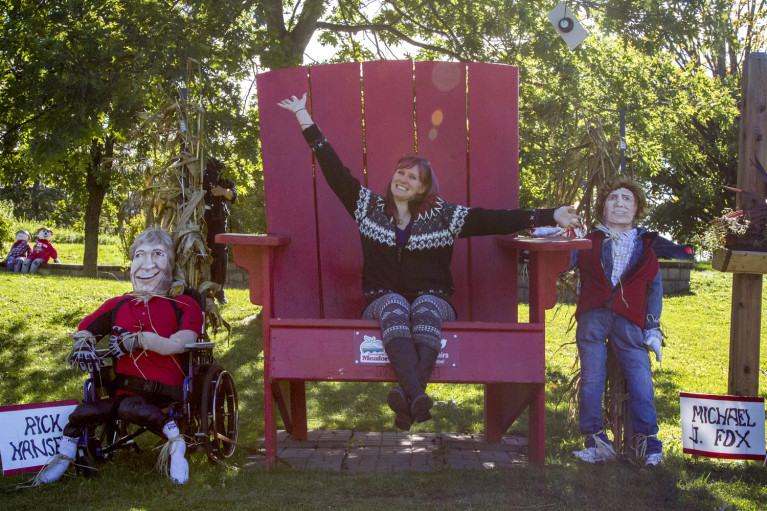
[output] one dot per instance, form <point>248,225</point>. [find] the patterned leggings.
<point>421,320</point>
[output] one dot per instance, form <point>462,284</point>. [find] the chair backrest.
<point>462,117</point>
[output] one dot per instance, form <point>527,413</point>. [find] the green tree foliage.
<point>283,30</point>
<point>695,118</point>
<point>674,68</point>
<point>77,73</point>
<point>7,233</point>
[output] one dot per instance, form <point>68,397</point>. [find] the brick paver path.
<point>349,451</point>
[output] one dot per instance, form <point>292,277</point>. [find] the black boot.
<point>427,359</point>
<point>408,402</point>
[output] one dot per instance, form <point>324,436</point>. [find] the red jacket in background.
<point>43,250</point>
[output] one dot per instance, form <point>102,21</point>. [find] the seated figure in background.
<point>20,250</point>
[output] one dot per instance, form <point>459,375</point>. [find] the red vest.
<point>629,297</point>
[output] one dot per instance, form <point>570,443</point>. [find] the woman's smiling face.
<point>150,269</point>
<point>407,184</point>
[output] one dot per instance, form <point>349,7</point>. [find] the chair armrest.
<point>548,244</point>
<point>548,257</point>
<point>254,253</point>
<point>196,346</point>
<point>265,240</point>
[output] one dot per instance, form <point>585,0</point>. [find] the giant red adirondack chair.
<point>306,273</point>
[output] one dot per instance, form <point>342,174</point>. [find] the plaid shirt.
<point>623,246</point>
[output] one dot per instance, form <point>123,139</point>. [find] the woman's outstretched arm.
<point>340,179</point>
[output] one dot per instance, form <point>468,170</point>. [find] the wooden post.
<point>618,404</point>
<point>746,314</point>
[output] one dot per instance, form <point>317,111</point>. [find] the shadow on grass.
<point>361,406</point>
<point>17,327</point>
<point>35,370</point>
<point>69,319</point>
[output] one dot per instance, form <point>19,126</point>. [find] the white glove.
<point>653,343</point>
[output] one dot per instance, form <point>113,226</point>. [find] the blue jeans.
<point>13,263</point>
<point>31,266</point>
<point>594,328</point>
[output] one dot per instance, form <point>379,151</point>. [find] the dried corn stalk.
<point>173,194</point>
<point>590,164</point>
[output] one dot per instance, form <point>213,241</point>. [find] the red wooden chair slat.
<point>493,183</point>
<point>441,123</point>
<point>389,122</point>
<point>336,99</point>
<point>514,351</point>
<point>289,194</point>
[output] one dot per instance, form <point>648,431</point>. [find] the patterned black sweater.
<point>422,265</point>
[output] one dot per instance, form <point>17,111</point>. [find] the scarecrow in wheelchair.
<point>151,331</point>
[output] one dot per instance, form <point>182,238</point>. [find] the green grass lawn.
<point>40,312</point>
<point>72,253</point>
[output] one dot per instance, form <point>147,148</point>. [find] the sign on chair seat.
<point>306,273</point>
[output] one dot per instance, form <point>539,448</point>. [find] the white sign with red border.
<point>30,434</point>
<point>723,426</point>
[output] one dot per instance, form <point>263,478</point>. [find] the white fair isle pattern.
<point>430,232</point>
<point>374,226</point>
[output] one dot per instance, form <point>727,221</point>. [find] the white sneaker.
<point>57,465</point>
<point>653,460</point>
<point>601,451</point>
<point>174,449</point>
<point>590,455</point>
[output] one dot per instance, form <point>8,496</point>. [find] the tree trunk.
<point>287,48</point>
<point>97,183</point>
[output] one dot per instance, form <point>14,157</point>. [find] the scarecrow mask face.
<point>150,269</point>
<point>22,236</point>
<point>620,210</point>
<point>44,234</point>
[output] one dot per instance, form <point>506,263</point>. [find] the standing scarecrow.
<point>620,300</point>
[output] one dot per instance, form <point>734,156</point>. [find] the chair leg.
<point>270,429</point>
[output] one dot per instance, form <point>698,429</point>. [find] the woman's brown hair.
<point>425,173</point>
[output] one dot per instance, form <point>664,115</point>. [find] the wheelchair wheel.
<point>102,440</point>
<point>218,412</point>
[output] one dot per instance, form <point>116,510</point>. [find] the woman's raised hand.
<point>567,218</point>
<point>298,107</point>
<point>293,103</point>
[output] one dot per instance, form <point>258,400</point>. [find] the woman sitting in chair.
<point>407,245</point>
<point>147,329</point>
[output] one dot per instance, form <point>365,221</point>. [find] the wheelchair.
<point>207,412</point>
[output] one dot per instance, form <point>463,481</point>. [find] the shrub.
<point>132,229</point>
